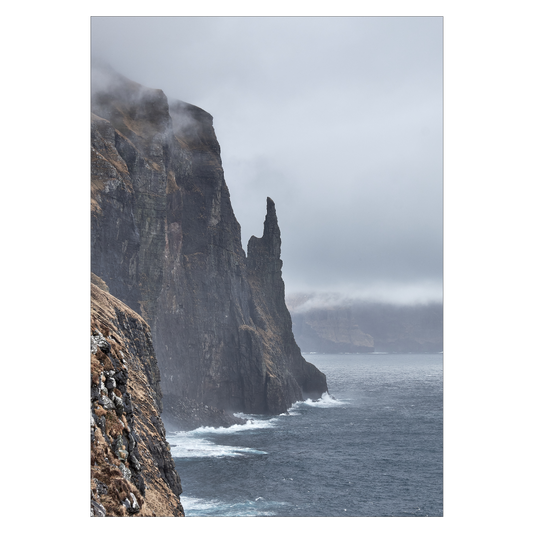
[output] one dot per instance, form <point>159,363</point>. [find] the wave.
<point>195,443</point>
<point>186,446</point>
<point>325,401</point>
<point>201,507</point>
<point>191,444</point>
<point>196,504</point>
<point>250,424</point>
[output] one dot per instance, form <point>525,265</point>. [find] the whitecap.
<point>197,504</point>
<point>194,443</point>
<point>292,411</point>
<point>185,446</point>
<point>326,400</point>
<point>257,507</point>
<point>250,424</point>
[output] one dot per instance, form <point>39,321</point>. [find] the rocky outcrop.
<point>167,243</point>
<point>362,326</point>
<point>286,369</point>
<point>132,471</point>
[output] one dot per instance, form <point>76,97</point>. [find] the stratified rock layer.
<point>166,242</point>
<point>132,471</point>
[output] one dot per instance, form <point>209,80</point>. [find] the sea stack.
<point>166,242</point>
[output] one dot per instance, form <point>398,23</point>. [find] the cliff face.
<point>132,471</point>
<point>166,241</point>
<point>359,326</point>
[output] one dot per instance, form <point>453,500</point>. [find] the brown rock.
<point>154,489</point>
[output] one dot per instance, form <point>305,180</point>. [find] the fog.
<point>338,120</point>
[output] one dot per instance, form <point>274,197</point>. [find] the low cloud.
<point>337,119</point>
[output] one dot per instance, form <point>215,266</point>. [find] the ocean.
<point>371,447</point>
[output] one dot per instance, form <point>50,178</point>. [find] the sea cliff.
<point>166,242</point>
<point>330,323</point>
<point>132,471</point>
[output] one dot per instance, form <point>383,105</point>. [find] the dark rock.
<point>103,345</point>
<point>165,241</point>
<point>101,488</point>
<point>183,414</point>
<point>97,509</point>
<point>95,392</point>
<point>135,464</point>
<point>121,379</point>
<point>119,404</point>
<point>138,480</point>
<point>100,422</point>
<point>132,441</point>
<point>128,407</point>
<point>264,273</point>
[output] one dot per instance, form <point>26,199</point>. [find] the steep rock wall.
<point>132,471</point>
<point>166,241</point>
<point>287,370</point>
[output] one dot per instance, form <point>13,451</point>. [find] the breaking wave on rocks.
<point>199,442</point>
<point>324,402</point>
<point>374,442</point>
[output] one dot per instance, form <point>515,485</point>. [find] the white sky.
<point>337,119</point>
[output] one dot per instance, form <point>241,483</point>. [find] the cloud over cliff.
<point>337,118</point>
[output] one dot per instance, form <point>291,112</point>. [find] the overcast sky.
<point>338,120</point>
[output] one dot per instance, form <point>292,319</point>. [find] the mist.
<point>337,119</point>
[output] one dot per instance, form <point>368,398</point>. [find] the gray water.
<point>372,447</point>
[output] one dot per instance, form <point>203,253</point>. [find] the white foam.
<point>197,504</point>
<point>251,423</point>
<point>186,445</point>
<point>257,507</point>
<point>190,444</point>
<point>325,401</point>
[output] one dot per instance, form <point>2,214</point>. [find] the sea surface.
<point>371,447</point>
